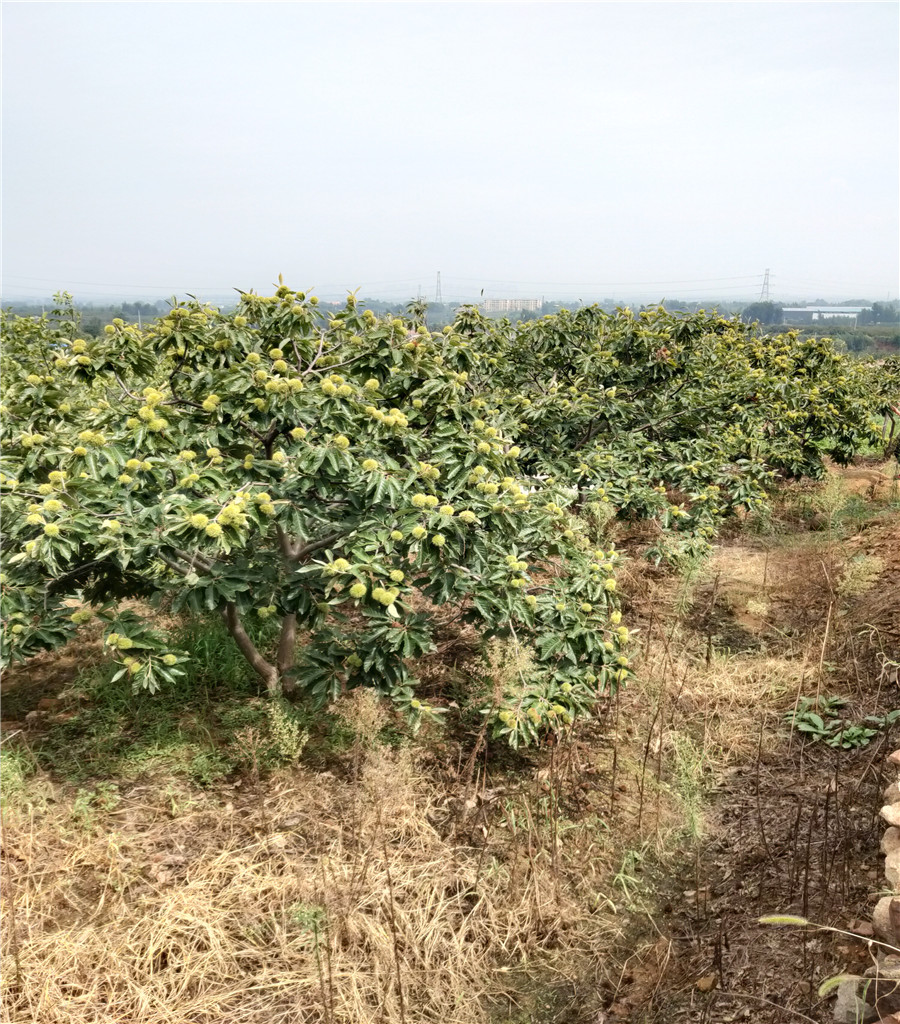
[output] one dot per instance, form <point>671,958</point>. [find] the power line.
<point>120,285</point>
<point>611,284</point>
<point>410,280</point>
<point>824,287</point>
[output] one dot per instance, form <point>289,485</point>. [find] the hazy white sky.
<point>571,150</point>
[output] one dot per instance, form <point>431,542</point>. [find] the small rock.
<point>892,869</point>
<point>890,840</point>
<point>892,793</point>
<point>862,928</point>
<point>891,813</point>
<point>707,983</point>
<point>886,919</point>
<point>884,992</point>
<point>894,758</point>
<point>849,1008</point>
<point>888,967</point>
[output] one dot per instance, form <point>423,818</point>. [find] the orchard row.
<point>349,478</point>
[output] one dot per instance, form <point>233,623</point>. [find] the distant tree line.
<point>95,316</point>
<point>765,313</point>
<point>769,313</point>
<point>882,315</point>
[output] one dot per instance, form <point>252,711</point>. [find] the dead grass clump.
<point>364,714</point>
<point>859,575</point>
<point>877,613</point>
<point>867,637</point>
<point>726,697</point>
<point>314,899</point>
<point>693,719</point>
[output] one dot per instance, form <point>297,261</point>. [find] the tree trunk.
<point>268,672</point>
<point>286,645</point>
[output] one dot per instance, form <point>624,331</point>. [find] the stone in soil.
<point>886,919</point>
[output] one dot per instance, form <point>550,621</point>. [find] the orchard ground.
<point>207,854</point>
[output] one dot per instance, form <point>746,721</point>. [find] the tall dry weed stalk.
<point>507,665</point>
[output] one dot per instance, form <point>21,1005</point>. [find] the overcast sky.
<point>568,150</point>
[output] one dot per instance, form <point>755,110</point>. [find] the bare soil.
<point>793,828</point>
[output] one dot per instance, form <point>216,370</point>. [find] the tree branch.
<point>316,545</point>
<point>178,567</point>
<point>194,559</point>
<point>315,358</point>
<point>269,439</point>
<point>264,669</point>
<point>289,547</point>
<point>178,400</point>
<point>249,427</point>
<point>346,362</point>
<point>121,384</point>
<point>297,355</point>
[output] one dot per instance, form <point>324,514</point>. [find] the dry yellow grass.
<point>349,906</point>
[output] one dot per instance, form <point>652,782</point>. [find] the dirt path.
<point>788,827</point>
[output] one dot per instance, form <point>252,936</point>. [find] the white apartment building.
<point>511,305</point>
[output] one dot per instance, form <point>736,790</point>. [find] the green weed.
<point>627,878</point>
<point>90,804</point>
<point>690,570</point>
<point>288,738</point>
<point>689,780</point>
<point>820,719</point>
<point>187,729</point>
<point>16,767</point>
<point>307,918</point>
<point>215,661</point>
<point>209,766</point>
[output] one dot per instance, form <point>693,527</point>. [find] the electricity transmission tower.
<point>437,290</point>
<point>764,291</point>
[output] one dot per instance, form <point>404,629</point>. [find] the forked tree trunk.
<point>272,675</point>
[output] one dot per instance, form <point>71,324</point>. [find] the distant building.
<point>810,314</point>
<point>512,305</point>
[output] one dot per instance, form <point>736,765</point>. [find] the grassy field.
<point>210,855</point>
